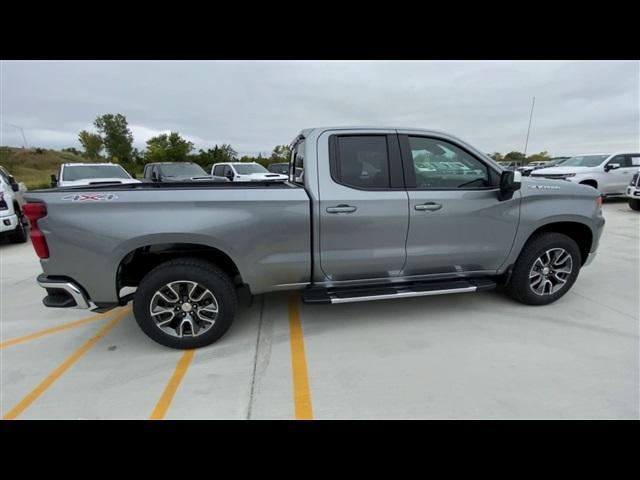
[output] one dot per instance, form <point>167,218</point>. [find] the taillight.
<point>34,212</point>
<point>599,201</point>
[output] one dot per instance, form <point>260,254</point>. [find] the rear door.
<point>457,224</point>
<point>618,179</point>
<point>363,205</point>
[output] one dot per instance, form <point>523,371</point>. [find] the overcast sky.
<point>253,105</point>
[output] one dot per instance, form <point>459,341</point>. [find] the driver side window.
<point>620,160</point>
<point>441,165</point>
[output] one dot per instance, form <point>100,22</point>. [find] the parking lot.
<point>453,356</point>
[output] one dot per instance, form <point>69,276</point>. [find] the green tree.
<point>281,154</point>
<point>92,144</point>
<point>497,156</point>
<point>514,157</point>
<point>539,157</point>
<point>167,148</point>
<point>118,139</point>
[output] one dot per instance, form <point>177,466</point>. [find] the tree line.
<point>115,139</point>
<point>521,157</point>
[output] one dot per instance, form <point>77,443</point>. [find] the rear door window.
<point>361,161</point>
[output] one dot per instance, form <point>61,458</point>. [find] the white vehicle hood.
<point>265,176</point>
<point>560,170</point>
<point>90,181</point>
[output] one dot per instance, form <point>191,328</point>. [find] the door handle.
<point>341,209</point>
<point>429,206</point>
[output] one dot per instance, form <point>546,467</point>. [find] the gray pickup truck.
<point>379,213</point>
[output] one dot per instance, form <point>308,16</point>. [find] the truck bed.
<point>263,227</point>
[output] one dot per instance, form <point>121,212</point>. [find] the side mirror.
<point>229,176</point>
<point>611,166</point>
<point>54,181</point>
<point>510,181</point>
<point>154,177</point>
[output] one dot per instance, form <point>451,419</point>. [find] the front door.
<point>363,205</point>
<point>457,223</point>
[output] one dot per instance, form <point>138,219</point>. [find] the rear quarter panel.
<point>264,231</point>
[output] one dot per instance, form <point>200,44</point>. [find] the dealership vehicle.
<point>245,172</point>
<point>633,191</point>
<point>530,167</point>
<point>12,222</point>
<point>513,165</point>
<point>608,173</point>
<point>77,174</point>
<point>281,168</point>
<point>177,172</point>
<point>362,224</point>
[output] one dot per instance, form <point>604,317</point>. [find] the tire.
<point>634,204</point>
<point>19,235</point>
<point>520,286</point>
<point>179,275</point>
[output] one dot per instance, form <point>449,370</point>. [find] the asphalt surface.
<point>471,356</point>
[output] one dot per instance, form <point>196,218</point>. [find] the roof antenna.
<point>526,143</point>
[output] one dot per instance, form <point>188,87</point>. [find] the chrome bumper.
<point>74,291</point>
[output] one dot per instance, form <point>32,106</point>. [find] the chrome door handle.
<point>341,209</point>
<point>429,206</point>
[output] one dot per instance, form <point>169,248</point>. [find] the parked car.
<point>245,172</point>
<point>510,165</point>
<point>363,224</point>
<point>77,174</point>
<point>530,167</point>
<point>633,191</point>
<point>281,168</point>
<point>13,224</point>
<point>607,173</point>
<point>177,172</point>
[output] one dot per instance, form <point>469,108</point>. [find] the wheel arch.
<point>136,263</point>
<point>581,233</point>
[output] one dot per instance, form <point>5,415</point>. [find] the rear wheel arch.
<point>138,262</point>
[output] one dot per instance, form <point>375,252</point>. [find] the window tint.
<point>440,164</point>
<point>218,170</point>
<point>621,160</point>
<point>362,161</point>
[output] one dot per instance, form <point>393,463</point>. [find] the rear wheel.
<point>545,270</point>
<point>185,303</point>
<point>634,204</point>
<point>19,235</point>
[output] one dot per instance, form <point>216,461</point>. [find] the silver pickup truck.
<point>377,213</point>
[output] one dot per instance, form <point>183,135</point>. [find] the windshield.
<point>248,168</point>
<point>83,172</point>
<point>182,169</point>
<point>585,161</point>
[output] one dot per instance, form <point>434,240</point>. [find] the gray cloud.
<point>580,106</point>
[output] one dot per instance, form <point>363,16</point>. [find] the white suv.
<point>12,222</point>
<point>608,173</point>
<point>633,191</point>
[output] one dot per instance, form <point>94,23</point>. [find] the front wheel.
<point>545,270</point>
<point>634,204</point>
<point>185,303</point>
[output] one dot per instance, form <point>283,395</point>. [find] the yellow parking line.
<point>64,366</point>
<point>301,391</point>
<point>56,329</point>
<point>170,390</point>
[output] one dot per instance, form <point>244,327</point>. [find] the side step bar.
<point>418,289</point>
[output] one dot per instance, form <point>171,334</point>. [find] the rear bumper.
<point>63,293</point>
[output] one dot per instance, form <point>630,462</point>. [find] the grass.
<point>35,166</point>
